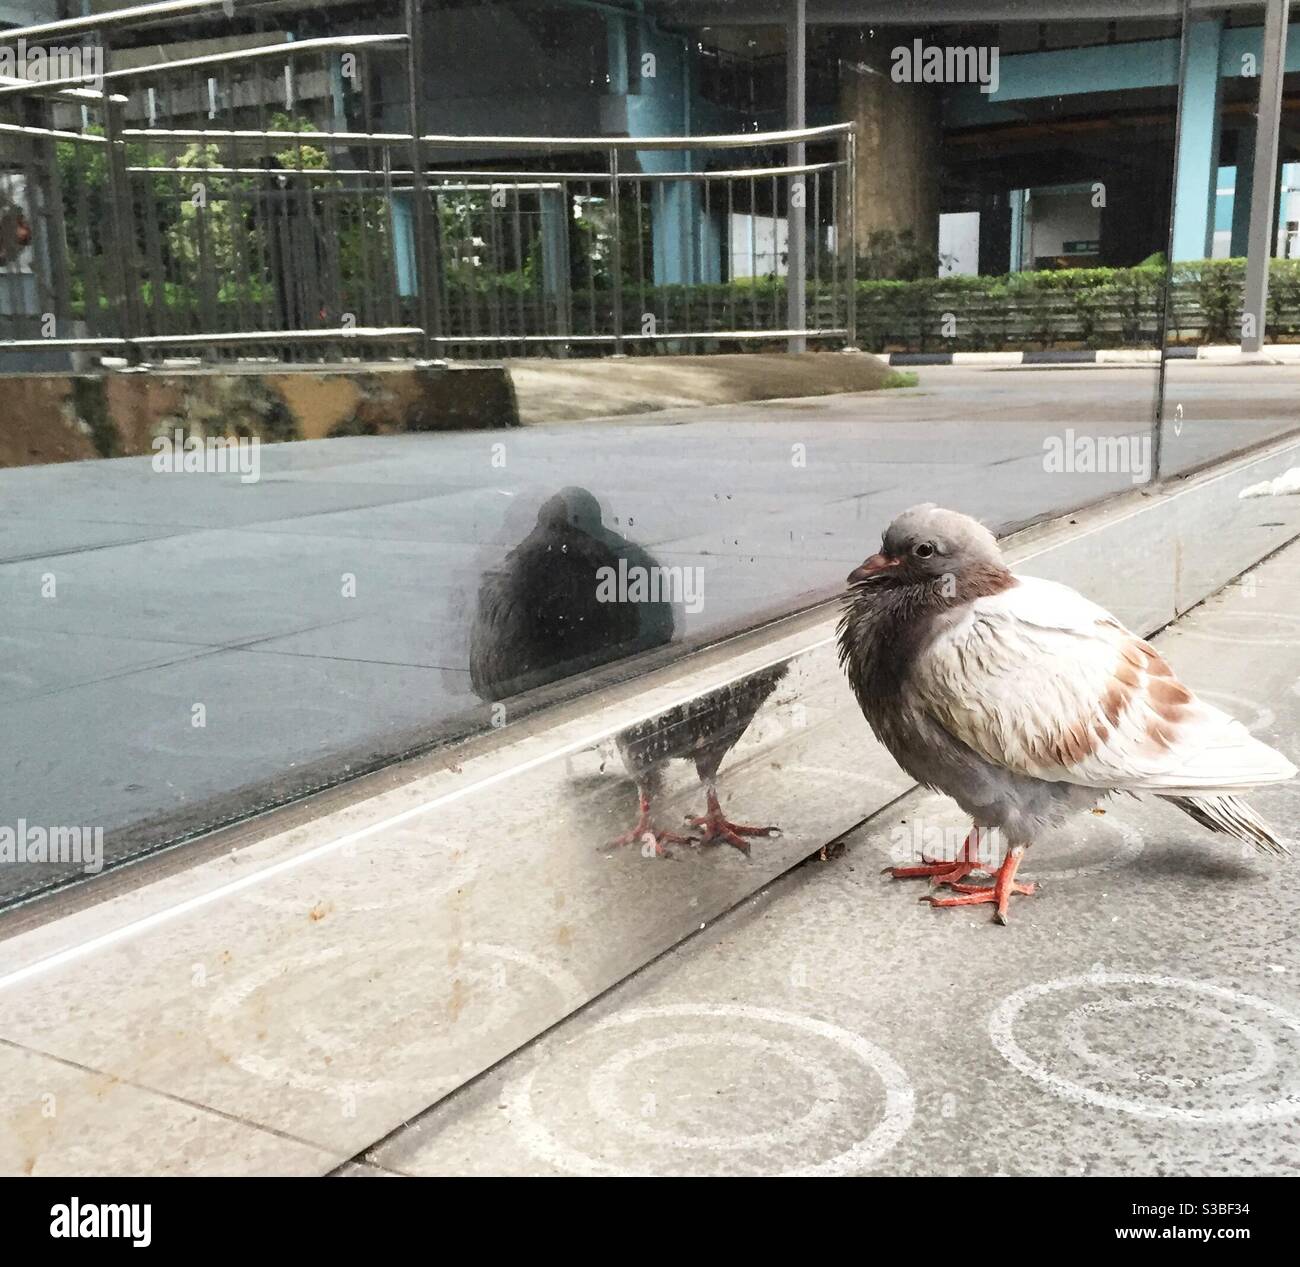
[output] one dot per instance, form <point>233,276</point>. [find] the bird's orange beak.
<point>870,567</point>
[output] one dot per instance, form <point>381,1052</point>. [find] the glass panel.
<point>188,647</point>
<point>1231,366</point>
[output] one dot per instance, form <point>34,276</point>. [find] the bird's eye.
<point>923,551</point>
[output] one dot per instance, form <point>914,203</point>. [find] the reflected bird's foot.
<point>941,872</point>
<point>650,839</point>
<point>717,828</point>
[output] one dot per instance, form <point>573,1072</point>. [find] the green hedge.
<point>1058,308</point>
<point>1076,307</point>
<point>1063,308</point>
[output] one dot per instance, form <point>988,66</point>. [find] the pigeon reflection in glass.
<point>539,617</point>
<point>702,730</point>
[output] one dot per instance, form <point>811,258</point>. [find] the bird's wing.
<point>1041,681</point>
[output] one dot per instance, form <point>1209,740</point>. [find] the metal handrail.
<point>291,48</point>
<point>229,338</point>
<point>733,140</point>
<point>548,186</point>
<point>725,141</point>
<point>254,134</point>
<point>471,275</point>
<point>53,134</point>
<point>118,17</point>
<point>499,180</point>
<point>28,87</point>
<point>680,336</point>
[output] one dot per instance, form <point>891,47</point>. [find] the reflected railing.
<point>279,203</point>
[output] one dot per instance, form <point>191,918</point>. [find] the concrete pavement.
<point>564,389</point>
<point>1140,1016</point>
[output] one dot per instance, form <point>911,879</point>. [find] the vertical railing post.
<point>51,194</point>
<point>1263,194</point>
<point>796,49</point>
<point>616,253</point>
<point>120,228</point>
<point>851,233</point>
<point>426,274</point>
<point>566,268</point>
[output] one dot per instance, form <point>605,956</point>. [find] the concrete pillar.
<point>675,217</point>
<point>710,244</point>
<point>996,213</point>
<point>338,95</point>
<point>616,49</point>
<point>899,140</point>
<point>554,234</point>
<point>676,207</point>
<point>1198,139</point>
<point>1241,192</point>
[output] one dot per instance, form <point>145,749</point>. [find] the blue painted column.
<point>554,234</point>
<point>1198,140</point>
<point>684,249</point>
<point>710,263</point>
<point>671,221</point>
<point>616,52</point>
<point>404,244</point>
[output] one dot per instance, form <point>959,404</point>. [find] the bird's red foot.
<point>939,872</point>
<point>945,872</point>
<point>1003,888</point>
<point>652,840</point>
<point>718,828</point>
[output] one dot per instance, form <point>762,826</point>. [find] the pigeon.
<point>702,730</point>
<point>539,617</point>
<point>1026,702</point>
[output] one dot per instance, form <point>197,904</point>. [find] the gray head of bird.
<point>929,544</point>
<point>573,507</point>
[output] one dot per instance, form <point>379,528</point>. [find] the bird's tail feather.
<point>1231,815</point>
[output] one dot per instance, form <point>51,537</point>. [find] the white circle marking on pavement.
<point>897,1116</point>
<point>1003,1021</point>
